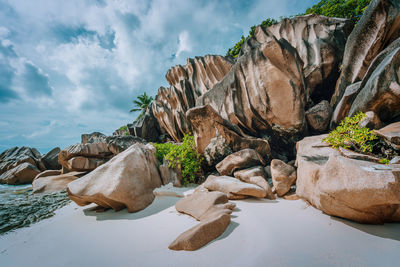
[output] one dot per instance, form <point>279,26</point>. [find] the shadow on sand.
<point>387,230</point>
<point>159,204</point>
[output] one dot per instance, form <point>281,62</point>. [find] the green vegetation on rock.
<point>182,156</point>
<point>124,130</point>
<point>349,9</point>
<point>350,135</point>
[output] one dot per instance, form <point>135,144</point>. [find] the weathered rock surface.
<point>371,121</point>
<point>380,90</point>
<point>255,175</point>
<point>391,134</point>
<point>95,137</point>
<point>84,157</point>
<point>170,175</point>
<point>55,182</point>
<point>283,176</point>
<point>234,188</point>
<point>216,150</point>
<point>50,160</point>
<point>127,180</point>
<point>187,84</point>
<point>15,156</point>
<point>22,174</point>
<point>239,160</point>
<point>212,209</point>
<point>48,173</point>
<point>320,42</point>
<point>264,93</point>
<point>319,116</point>
<point>378,27</point>
<point>208,124</point>
<point>118,143</point>
<point>358,190</point>
<point>146,128</point>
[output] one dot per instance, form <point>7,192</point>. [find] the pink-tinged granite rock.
<point>234,188</point>
<point>255,175</point>
<point>127,180</point>
<point>22,174</point>
<point>242,159</point>
<point>55,182</point>
<point>378,27</point>
<point>283,176</point>
<point>213,211</point>
<point>357,190</point>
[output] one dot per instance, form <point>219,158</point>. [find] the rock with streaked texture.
<point>391,134</point>
<point>371,121</point>
<point>118,143</point>
<point>264,94</point>
<point>234,188</point>
<point>283,176</point>
<point>95,137</point>
<point>378,27</point>
<point>147,127</point>
<point>208,124</point>
<point>127,180</point>
<point>15,156</point>
<point>187,83</point>
<point>255,175</point>
<point>242,159</point>
<point>357,190</point>
<point>22,174</point>
<point>54,183</point>
<point>50,159</point>
<point>216,150</point>
<point>48,173</point>
<point>213,211</point>
<point>84,157</point>
<point>320,42</point>
<point>319,116</point>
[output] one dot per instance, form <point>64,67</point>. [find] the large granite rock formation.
<point>263,93</point>
<point>147,127</point>
<point>50,159</point>
<point>13,169</point>
<point>213,211</point>
<point>53,183</point>
<point>283,176</point>
<point>22,174</point>
<point>208,124</point>
<point>84,157</point>
<point>127,180</point>
<point>358,190</point>
<point>378,27</point>
<point>320,43</point>
<point>187,83</point>
<point>377,92</point>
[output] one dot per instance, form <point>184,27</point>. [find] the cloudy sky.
<point>73,67</point>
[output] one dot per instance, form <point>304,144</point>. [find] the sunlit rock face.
<point>378,27</point>
<point>187,83</point>
<point>320,43</point>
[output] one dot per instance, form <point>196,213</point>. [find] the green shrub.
<point>183,156</point>
<point>350,135</point>
<point>384,161</point>
<point>124,130</point>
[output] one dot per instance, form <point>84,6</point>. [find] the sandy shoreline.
<point>262,233</point>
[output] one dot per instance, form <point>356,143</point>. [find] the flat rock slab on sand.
<point>262,232</point>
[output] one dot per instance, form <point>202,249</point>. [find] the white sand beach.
<point>262,233</point>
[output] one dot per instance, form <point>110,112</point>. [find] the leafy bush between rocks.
<point>182,156</point>
<point>351,136</point>
<point>124,129</point>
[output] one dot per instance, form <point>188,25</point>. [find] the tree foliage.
<point>142,103</point>
<point>350,9</point>
<point>350,135</point>
<point>182,156</point>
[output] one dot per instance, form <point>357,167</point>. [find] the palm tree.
<point>141,104</point>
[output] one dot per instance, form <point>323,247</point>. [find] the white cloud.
<point>184,44</point>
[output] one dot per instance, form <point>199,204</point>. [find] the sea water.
<point>19,207</point>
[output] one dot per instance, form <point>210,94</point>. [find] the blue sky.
<point>73,67</point>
